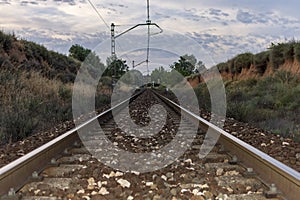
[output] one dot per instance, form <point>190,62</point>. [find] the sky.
<point>221,28</point>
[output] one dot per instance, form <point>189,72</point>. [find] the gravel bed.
<point>283,149</point>
<point>188,177</point>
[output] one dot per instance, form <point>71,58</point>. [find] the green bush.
<point>239,111</point>
<point>262,102</point>
<point>285,77</point>
<point>297,50</point>
<point>288,51</point>
<point>102,100</point>
<point>223,67</point>
<point>277,54</point>
<point>65,93</point>
<point>248,83</point>
<point>6,41</point>
<point>243,61</point>
<point>203,96</point>
<point>261,61</point>
<point>29,103</point>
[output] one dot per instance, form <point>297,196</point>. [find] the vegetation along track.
<point>75,174</point>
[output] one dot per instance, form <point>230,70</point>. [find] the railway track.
<point>65,169</point>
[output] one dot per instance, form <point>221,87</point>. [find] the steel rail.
<point>286,179</point>
<point>270,170</point>
<point>17,173</point>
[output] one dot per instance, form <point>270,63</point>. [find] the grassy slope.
<point>268,95</point>
<point>35,88</point>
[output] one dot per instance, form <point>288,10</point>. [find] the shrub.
<point>223,67</point>
<point>248,83</point>
<point>285,77</point>
<point>288,51</point>
<point>101,100</point>
<point>237,110</point>
<point>64,93</point>
<point>297,50</point>
<point>29,103</point>
<point>203,96</point>
<point>261,60</point>
<point>277,55</point>
<point>243,61</point>
<point>6,41</point>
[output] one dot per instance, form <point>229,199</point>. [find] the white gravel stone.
<point>104,182</point>
<point>184,190</point>
<point>130,198</point>
<point>263,144</point>
<point>231,173</point>
<point>81,191</point>
<point>119,174</point>
<point>195,191</point>
<point>103,191</point>
<point>285,144</point>
<point>230,190</point>
<point>105,176</point>
<point>94,193</point>
<point>36,191</point>
<point>124,183</point>
<point>91,183</point>
<point>191,168</point>
<point>164,177</point>
<point>99,183</point>
<point>204,186</point>
<point>219,171</point>
<point>149,183</point>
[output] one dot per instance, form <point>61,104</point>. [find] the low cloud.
<point>267,18</point>
<point>220,28</point>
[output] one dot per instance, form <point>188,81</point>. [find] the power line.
<point>106,24</point>
<point>148,35</point>
<point>98,13</point>
<point>148,49</point>
<point>148,24</point>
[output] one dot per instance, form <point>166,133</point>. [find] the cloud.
<point>70,2</point>
<point>4,2</point>
<point>267,18</point>
<point>223,27</point>
<point>217,12</point>
<point>61,41</point>
<point>24,3</point>
<point>223,47</point>
<point>245,17</point>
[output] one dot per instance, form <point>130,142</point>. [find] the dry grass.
<point>30,102</point>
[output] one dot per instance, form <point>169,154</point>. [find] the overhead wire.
<point>94,7</point>
<point>148,50</point>
<point>148,36</point>
<point>148,33</point>
<point>106,24</point>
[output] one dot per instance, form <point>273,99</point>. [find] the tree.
<point>242,61</point>
<point>115,67</point>
<point>185,65</point>
<point>200,67</point>
<point>133,78</point>
<point>159,75</point>
<point>277,54</point>
<point>78,52</point>
<point>166,78</point>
